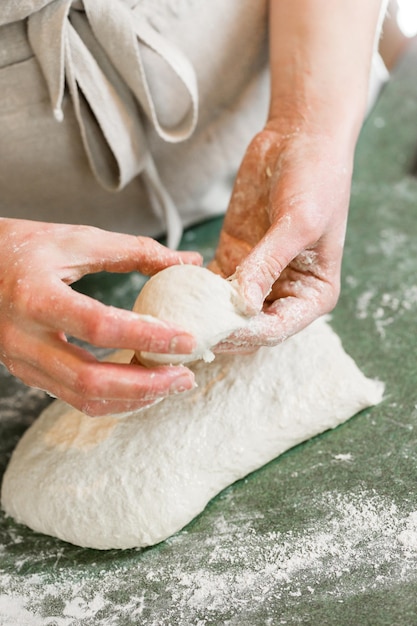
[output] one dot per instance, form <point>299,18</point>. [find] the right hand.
<point>282,237</point>
<point>38,309</point>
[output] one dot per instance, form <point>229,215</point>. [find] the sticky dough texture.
<point>196,300</point>
<point>109,483</point>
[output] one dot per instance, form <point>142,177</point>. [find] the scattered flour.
<point>343,457</point>
<point>386,308</point>
<point>361,542</point>
<point>408,537</point>
<point>394,250</point>
<point>390,243</point>
<point>379,122</point>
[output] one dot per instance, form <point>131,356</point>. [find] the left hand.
<point>39,310</point>
<point>283,234</point>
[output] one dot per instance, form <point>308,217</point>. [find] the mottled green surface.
<point>326,534</point>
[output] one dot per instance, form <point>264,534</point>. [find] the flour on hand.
<point>195,299</point>
<point>121,483</point>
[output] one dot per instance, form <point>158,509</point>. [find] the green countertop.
<point>327,533</point>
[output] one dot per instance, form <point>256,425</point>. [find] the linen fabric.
<point>130,115</point>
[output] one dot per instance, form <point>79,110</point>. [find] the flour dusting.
<point>231,574</point>
<point>386,308</point>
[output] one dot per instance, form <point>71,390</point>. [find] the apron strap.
<point>95,48</point>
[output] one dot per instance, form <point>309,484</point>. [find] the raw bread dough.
<point>121,483</point>
<point>198,301</point>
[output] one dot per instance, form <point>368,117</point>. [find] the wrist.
<point>337,119</point>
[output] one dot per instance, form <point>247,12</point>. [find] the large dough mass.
<point>121,483</point>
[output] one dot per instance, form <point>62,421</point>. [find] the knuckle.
<point>311,227</point>
<point>27,301</point>
<point>88,384</point>
<point>262,142</point>
<point>95,328</point>
<point>271,268</point>
<point>21,295</point>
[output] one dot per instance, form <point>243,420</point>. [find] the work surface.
<point>327,533</point>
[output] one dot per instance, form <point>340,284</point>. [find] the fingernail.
<point>182,344</point>
<point>182,383</point>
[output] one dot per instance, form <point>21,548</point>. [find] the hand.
<point>284,230</point>
<point>38,309</point>
<point>283,234</point>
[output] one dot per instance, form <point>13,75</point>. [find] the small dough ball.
<point>198,301</point>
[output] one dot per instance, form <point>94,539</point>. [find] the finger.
<point>258,272</point>
<point>282,319</point>
<point>103,408</point>
<point>105,326</point>
<point>93,407</point>
<point>73,367</point>
<point>100,250</point>
<point>77,377</point>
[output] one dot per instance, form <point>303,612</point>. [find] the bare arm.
<point>284,230</point>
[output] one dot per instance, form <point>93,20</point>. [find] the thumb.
<point>256,275</point>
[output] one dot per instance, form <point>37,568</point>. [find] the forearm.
<point>320,56</point>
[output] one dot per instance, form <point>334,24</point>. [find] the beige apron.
<point>130,115</point>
